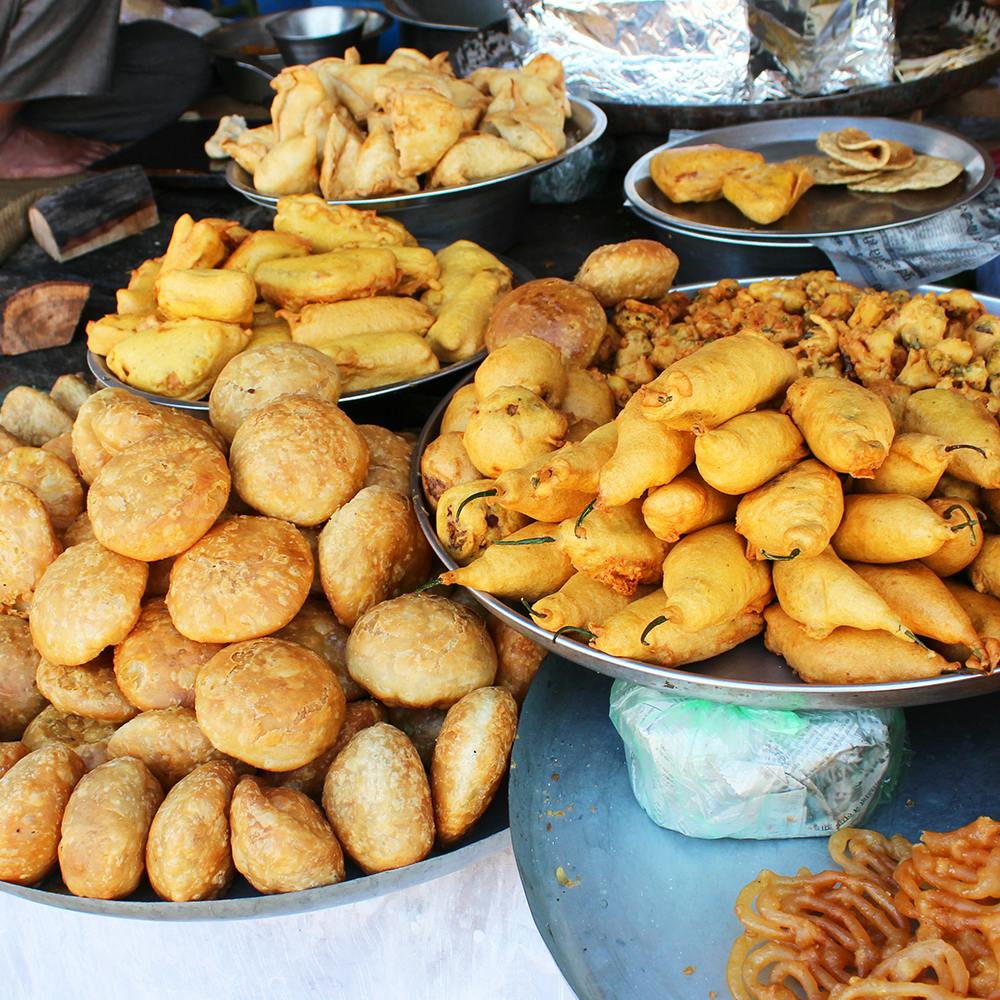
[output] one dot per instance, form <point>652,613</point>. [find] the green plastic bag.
<point>711,770</point>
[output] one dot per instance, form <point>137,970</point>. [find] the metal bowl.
<point>487,212</point>
<point>99,368</point>
<point>303,36</point>
<point>749,675</point>
<point>433,26</point>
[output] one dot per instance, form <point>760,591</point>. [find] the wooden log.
<point>99,210</point>
<point>36,314</point>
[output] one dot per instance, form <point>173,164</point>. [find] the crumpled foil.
<point>827,47</point>
<point>641,51</point>
<point>710,770</point>
<point>702,52</point>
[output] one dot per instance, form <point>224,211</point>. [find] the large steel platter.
<point>748,675</point>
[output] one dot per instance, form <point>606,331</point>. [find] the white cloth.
<point>467,936</point>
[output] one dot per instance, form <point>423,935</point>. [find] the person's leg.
<point>30,152</point>
<point>159,72</point>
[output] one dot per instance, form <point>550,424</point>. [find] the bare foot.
<point>30,152</point>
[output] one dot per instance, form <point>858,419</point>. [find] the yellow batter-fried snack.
<point>613,546</point>
<point>445,463</point>
<point>520,490</point>
<point>696,173</point>
<point>767,192</point>
<point>457,412</point>
<point>329,227</point>
<point>984,610</point>
<point>293,282</point>
<point>588,396</point>
<point>418,269</point>
<point>581,602</point>
<point>104,333</point>
<point>288,167</point>
<point>194,244</point>
<point>264,245</point>
<point>794,514</point>
<point>968,429</point>
<point>724,378</point>
<point>526,564</point>
<point>917,595</point>
<point>138,298</point>
<point>527,362</point>
<point>642,632</point>
<point>509,428</point>
<point>845,425</point>
<point>647,454</point>
<point>984,572</point>
<point>686,504</point>
<point>460,327</point>
<point>226,296</point>
<point>889,528</point>
<point>914,465</point>
<point>470,519</point>
<point>849,655</point>
<point>963,547</point>
<point>748,450</point>
<point>179,359</point>
<point>708,578</point>
<point>635,269</point>
<point>367,360</point>
<point>823,593</point>
<point>322,322</point>
<point>460,262</point>
<point>577,466</point>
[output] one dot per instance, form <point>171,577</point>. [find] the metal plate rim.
<point>798,694</point>
<point>238,179</point>
<point>640,170</point>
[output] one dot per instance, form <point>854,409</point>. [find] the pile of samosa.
<point>729,497</point>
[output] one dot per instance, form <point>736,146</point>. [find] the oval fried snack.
<point>102,853</point>
<point>20,699</point>
<point>378,800</point>
<point>470,759</point>
<point>299,458</point>
<point>270,703</point>
<point>155,665</point>
<point>247,577</point>
<point>389,457</point>
<point>29,544</point>
<point>635,269</point>
<point>49,478</point>
<point>10,753</point>
<point>420,651</point>
<point>158,497</point>
<point>88,599</point>
<point>187,852</point>
<point>87,737</point>
<point>87,689</point>
<point>33,796</point>
<point>281,840</point>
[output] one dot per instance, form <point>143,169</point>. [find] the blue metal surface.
<point>650,912</point>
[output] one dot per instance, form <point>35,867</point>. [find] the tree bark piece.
<point>99,210</point>
<point>38,314</point>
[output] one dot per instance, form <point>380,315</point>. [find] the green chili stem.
<point>470,498</point>
<point>434,581</point>
<point>531,611</point>
<point>537,540</point>
<point>586,510</point>
<point>912,635</point>
<point>973,447</point>
<point>967,523</point>
<point>791,555</point>
<point>649,628</point>
<point>575,628</point>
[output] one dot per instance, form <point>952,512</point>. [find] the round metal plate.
<point>242,902</point>
<point>650,913</point>
<point>748,675</point>
<point>822,211</point>
<point>586,124</point>
<point>99,368</point>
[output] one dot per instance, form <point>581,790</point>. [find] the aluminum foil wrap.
<point>828,46</point>
<point>641,51</point>
<point>710,770</point>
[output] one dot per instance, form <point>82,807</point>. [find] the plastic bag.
<point>711,770</point>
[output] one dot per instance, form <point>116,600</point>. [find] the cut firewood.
<point>99,210</point>
<point>36,314</point>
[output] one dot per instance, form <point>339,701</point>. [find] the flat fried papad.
<point>925,172</point>
<point>855,148</point>
<point>825,170</point>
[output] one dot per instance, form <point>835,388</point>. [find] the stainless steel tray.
<point>99,368</point>
<point>748,675</point>
<point>823,211</point>
<point>651,913</point>
<point>585,125</point>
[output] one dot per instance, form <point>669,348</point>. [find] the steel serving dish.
<point>748,675</point>
<point>823,210</point>
<point>487,212</point>
<point>99,368</point>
